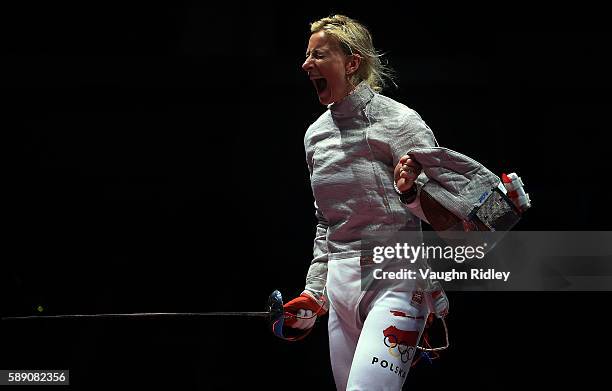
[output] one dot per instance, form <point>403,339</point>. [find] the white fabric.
<point>305,319</point>
<point>362,357</point>
<point>351,152</point>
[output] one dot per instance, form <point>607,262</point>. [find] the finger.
<point>300,313</point>
<point>299,324</point>
<point>303,324</point>
<point>409,176</point>
<point>310,322</point>
<point>414,171</point>
<point>308,314</point>
<point>408,158</point>
<point>397,171</point>
<point>411,162</point>
<point>404,184</point>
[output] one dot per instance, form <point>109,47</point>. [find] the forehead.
<point>320,40</point>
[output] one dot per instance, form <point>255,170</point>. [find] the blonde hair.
<point>354,38</point>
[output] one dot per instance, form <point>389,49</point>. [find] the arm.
<point>408,174</point>
<point>317,272</point>
<point>312,302</point>
<point>409,178</point>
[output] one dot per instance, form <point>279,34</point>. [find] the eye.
<point>316,55</point>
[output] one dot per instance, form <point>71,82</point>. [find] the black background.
<point>156,164</point>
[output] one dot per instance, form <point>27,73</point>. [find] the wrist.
<point>321,302</point>
<point>408,196</point>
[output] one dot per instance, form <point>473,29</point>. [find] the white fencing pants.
<point>372,334</point>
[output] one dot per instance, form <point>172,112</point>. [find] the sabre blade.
<point>141,315</point>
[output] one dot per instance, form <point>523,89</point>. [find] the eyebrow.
<point>321,50</point>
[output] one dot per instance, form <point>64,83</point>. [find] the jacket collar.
<point>353,102</point>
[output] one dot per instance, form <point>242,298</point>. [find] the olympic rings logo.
<point>404,352</point>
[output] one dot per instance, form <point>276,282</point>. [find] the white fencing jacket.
<point>351,151</point>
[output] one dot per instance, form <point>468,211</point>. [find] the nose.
<point>307,65</point>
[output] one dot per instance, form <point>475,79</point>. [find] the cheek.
<point>337,79</point>
<point>323,67</point>
<point>332,70</point>
<point>335,74</point>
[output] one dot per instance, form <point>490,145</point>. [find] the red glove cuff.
<point>306,302</point>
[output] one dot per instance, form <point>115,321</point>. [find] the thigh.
<point>342,343</point>
<point>344,289</point>
<point>387,343</point>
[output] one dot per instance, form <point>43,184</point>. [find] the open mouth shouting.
<point>320,84</point>
<point>323,90</point>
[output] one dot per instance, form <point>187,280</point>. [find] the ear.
<point>352,64</point>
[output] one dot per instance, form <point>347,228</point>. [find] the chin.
<point>327,98</point>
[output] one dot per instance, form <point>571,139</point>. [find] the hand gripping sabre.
<point>274,313</point>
